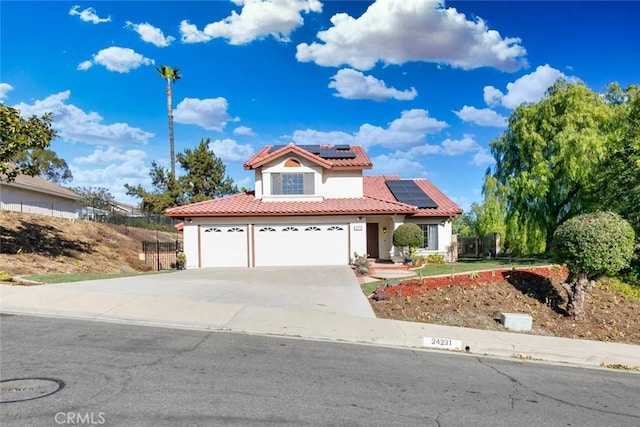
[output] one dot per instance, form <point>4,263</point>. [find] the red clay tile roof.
<point>377,200</point>
<point>374,186</point>
<point>361,161</point>
<point>246,204</point>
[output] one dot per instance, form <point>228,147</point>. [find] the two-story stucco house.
<point>313,206</point>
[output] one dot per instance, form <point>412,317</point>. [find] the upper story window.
<point>292,183</point>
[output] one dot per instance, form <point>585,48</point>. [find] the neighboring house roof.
<point>37,184</point>
<point>359,161</point>
<point>375,186</point>
<point>246,204</point>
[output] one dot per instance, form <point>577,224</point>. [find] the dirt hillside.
<point>34,244</point>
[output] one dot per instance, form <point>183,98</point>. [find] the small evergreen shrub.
<point>435,259</point>
<point>408,235</point>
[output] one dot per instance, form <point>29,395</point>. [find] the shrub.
<point>408,235</point>
<point>435,259</point>
<point>360,264</point>
<point>590,245</point>
<point>5,277</point>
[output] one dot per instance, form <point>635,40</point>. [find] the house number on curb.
<point>443,343</point>
<point>21,389</point>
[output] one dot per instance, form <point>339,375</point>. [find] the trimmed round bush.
<point>408,234</point>
<point>594,243</point>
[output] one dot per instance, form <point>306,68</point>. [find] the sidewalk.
<point>182,313</point>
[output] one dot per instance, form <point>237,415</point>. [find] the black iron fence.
<point>166,255</point>
<point>487,246</point>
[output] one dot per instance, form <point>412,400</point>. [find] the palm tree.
<point>170,75</point>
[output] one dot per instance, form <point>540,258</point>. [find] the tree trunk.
<point>171,144</point>
<point>576,293</point>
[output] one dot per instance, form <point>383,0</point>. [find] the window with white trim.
<point>292,183</point>
<point>430,233</point>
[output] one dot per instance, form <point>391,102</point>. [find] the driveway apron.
<point>330,289</point>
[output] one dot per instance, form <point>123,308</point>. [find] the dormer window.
<point>292,183</point>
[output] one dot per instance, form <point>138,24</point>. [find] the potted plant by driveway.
<point>181,261</point>
<point>409,237</point>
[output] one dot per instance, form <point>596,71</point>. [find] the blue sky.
<point>423,85</point>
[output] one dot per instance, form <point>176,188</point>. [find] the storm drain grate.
<point>22,389</point>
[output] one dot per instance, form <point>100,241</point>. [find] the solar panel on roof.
<point>342,147</point>
<point>407,191</point>
<point>332,153</point>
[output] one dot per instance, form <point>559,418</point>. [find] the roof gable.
<point>328,156</point>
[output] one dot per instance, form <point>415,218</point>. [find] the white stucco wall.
<point>342,184</point>
<point>357,232</point>
<point>277,166</point>
<point>28,201</point>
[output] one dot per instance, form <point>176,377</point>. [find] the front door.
<point>372,240</point>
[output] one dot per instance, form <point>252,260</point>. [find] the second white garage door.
<point>278,245</point>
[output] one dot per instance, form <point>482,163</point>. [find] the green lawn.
<point>465,265</point>
<point>79,277</point>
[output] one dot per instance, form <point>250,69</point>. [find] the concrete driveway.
<point>330,289</point>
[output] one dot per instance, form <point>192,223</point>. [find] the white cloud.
<point>528,88</point>
<point>85,65</point>
<point>410,129</point>
<point>398,31</point>
<point>151,34</point>
<point>5,88</point>
<point>483,158</point>
<point>389,164</point>
<point>210,114</point>
<point>481,116</point>
<point>244,130</point>
<point>257,19</point>
<point>111,154</point>
<point>75,125</point>
<point>492,96</point>
<point>311,137</point>
<point>88,15</point>
<point>352,84</point>
<point>230,151</point>
<point>112,170</point>
<point>449,147</point>
<point>191,34</point>
<point>457,147</point>
<point>119,59</point>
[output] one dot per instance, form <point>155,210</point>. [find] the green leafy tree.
<point>166,192</point>
<point>95,197</point>
<point>204,179</point>
<point>205,176</point>
<point>408,236</point>
<point>47,164</point>
<point>171,75</point>
<point>549,154</point>
<point>489,216</point>
<point>18,135</point>
<point>617,185</point>
<point>590,245</point>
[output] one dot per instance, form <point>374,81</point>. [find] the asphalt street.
<point>116,374</point>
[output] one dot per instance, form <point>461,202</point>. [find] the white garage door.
<point>301,245</point>
<point>223,246</point>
